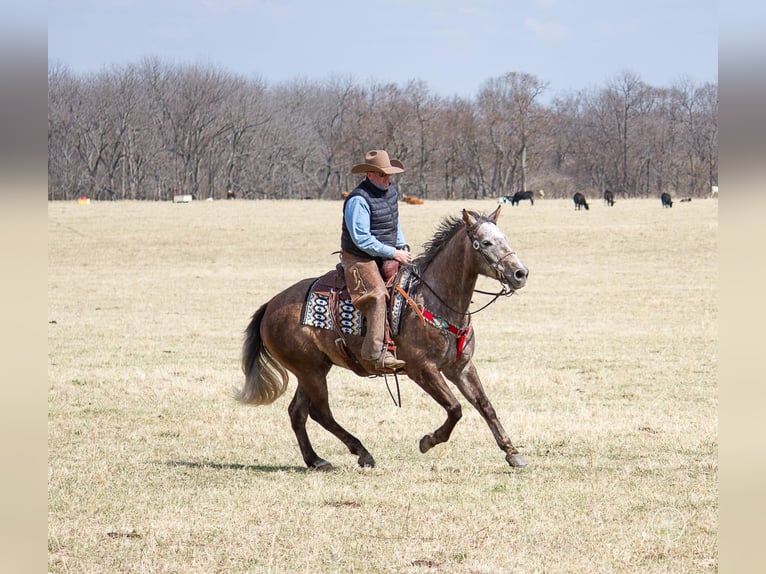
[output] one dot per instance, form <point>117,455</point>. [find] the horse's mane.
<point>446,230</point>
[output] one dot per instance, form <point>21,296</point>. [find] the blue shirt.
<point>357,218</point>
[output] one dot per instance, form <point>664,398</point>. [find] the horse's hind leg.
<point>323,415</point>
<point>312,398</point>
<point>299,414</point>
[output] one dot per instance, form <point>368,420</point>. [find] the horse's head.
<point>495,256</point>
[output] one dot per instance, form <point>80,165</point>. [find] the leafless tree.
<point>64,168</point>
<point>151,130</point>
<point>513,121</point>
<point>697,108</point>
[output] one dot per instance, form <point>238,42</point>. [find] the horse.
<point>608,198</point>
<point>579,201</point>
<point>666,200</point>
<point>435,339</point>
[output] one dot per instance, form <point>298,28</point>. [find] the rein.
<point>504,292</point>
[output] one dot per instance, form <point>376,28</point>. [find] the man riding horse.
<point>372,235</point>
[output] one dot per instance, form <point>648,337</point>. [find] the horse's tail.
<point>265,379</point>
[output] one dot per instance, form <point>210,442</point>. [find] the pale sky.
<point>454,46</point>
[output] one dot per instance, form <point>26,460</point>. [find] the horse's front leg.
<point>468,382</point>
<point>431,381</point>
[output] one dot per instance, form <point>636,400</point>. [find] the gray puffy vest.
<point>384,216</point>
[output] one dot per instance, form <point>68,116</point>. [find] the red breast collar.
<point>461,334</point>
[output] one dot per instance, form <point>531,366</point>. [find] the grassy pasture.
<point>603,371</point>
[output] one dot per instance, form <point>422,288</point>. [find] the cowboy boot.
<point>368,294</point>
<point>374,351</point>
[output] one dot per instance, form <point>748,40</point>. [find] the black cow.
<point>686,200</point>
<point>666,201</point>
<point>579,201</point>
<point>519,195</point>
<point>608,198</point>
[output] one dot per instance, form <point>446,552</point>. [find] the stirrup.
<point>387,361</point>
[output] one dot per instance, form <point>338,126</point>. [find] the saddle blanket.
<point>317,313</point>
<point>330,291</point>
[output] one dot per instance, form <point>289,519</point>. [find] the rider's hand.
<point>402,256</point>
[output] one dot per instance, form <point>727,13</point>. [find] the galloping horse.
<point>435,338</point>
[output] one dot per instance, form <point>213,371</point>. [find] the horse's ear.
<point>469,219</point>
<point>495,215</point>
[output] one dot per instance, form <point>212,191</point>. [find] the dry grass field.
<point>603,369</point>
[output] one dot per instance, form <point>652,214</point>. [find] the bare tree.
<point>334,104</point>
<point>96,131</point>
<point>698,118</point>
<point>64,166</point>
<point>188,105</point>
<point>391,123</point>
<point>627,98</point>
<point>425,109</point>
<point>151,130</point>
<point>513,120</point>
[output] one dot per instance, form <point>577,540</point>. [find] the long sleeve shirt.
<point>357,218</point>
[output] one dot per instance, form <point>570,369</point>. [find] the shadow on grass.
<point>234,466</point>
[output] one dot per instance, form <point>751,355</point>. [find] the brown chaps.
<point>368,294</point>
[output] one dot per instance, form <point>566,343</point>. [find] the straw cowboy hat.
<point>377,160</point>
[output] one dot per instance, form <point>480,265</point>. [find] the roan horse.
<point>435,338</point>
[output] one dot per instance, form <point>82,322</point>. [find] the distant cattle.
<point>579,201</point>
<point>685,200</point>
<point>541,193</point>
<point>514,199</point>
<point>714,191</point>
<point>519,195</point>
<point>412,200</point>
<point>666,201</point>
<point>609,198</point>
<point>231,195</point>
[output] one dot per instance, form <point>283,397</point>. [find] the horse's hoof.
<point>426,443</point>
<point>366,461</point>
<point>321,464</point>
<point>516,460</point>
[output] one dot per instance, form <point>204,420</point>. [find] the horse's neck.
<point>452,279</point>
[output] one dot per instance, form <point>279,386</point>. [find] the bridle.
<point>494,264</point>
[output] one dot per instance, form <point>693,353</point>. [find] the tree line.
<point>149,131</point>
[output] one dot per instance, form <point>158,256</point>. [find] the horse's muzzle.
<point>519,277</point>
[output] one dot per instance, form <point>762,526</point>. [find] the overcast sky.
<point>454,46</point>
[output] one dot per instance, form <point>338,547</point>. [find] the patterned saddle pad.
<point>328,304</point>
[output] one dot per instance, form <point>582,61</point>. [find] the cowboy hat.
<point>377,160</point>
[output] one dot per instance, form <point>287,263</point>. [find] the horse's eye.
<point>486,243</point>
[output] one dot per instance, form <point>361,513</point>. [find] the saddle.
<point>328,306</point>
